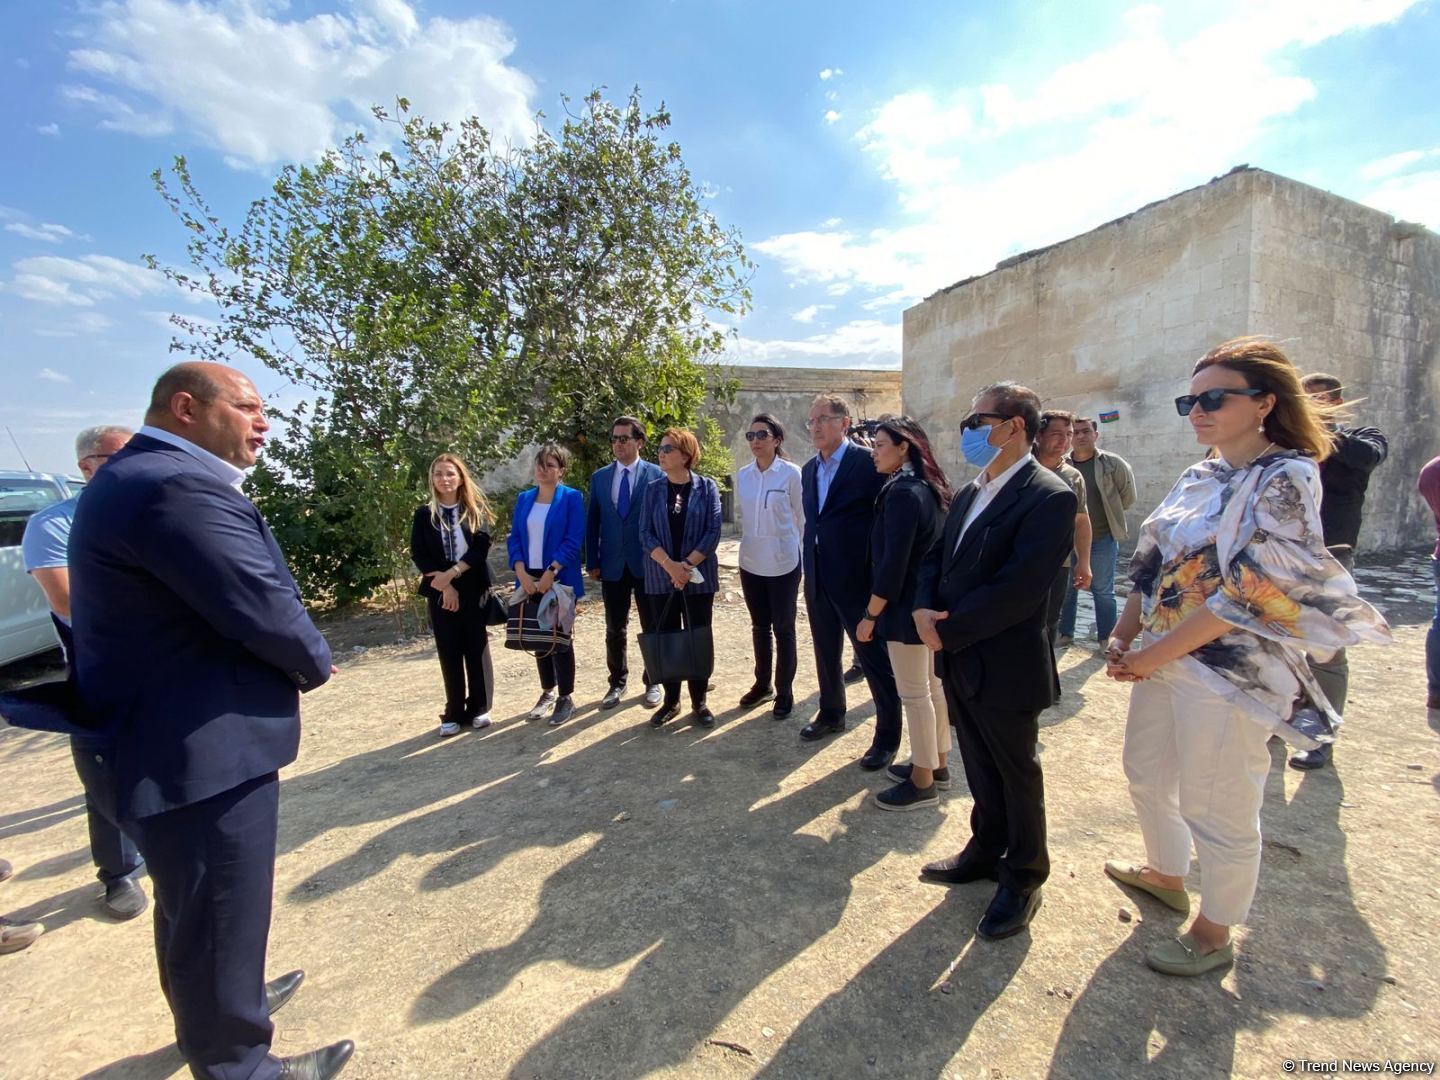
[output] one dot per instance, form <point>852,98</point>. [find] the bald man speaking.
<point>191,651</point>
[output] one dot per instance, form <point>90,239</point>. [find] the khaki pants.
<point>923,698</point>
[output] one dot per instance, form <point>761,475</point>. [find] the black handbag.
<point>524,632</point>
<point>678,655</point>
<point>494,609</point>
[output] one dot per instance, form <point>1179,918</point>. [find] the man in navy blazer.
<point>191,650</point>
<point>612,549</point>
<point>839,485</point>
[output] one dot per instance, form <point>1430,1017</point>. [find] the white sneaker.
<point>481,721</point>
<point>543,706</point>
<point>448,728</point>
<point>654,695</point>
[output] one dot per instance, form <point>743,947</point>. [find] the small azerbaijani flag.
<point>1109,416</point>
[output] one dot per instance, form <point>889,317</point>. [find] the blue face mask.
<point>975,445</point>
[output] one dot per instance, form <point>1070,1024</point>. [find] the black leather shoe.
<point>704,717</point>
<point>1318,758</point>
<point>318,1064</point>
<point>755,695</point>
<point>853,674</point>
<point>663,715</point>
<point>124,899</point>
<point>612,697</point>
<point>279,991</point>
<point>1009,913</point>
<point>818,729</point>
<point>958,869</point>
<point>876,758</point>
<point>784,706</point>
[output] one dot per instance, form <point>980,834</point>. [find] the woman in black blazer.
<point>909,517</point>
<point>449,543</point>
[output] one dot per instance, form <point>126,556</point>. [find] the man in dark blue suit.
<point>191,650</point>
<point>612,550</point>
<point>839,485</point>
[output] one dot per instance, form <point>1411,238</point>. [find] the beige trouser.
<point>923,697</point>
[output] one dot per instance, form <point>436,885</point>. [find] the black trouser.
<point>685,611</point>
<point>1055,604</point>
<point>831,621</point>
<point>114,854</point>
<point>617,595</point>
<point>212,866</point>
<point>1333,675</point>
<point>463,643</point>
<point>557,669</point>
<point>1007,821</point>
<point>771,602</point>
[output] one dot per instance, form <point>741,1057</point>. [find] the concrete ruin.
<point>1113,320</point>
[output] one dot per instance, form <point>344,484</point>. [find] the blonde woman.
<point>449,543</point>
<point>1233,586</point>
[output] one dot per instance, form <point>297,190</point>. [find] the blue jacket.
<point>702,532</point>
<point>191,644</point>
<point>563,539</point>
<point>612,543</point>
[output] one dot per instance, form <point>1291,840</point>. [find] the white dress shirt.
<point>620,471</point>
<point>772,517</point>
<point>535,532</point>
<point>985,492</point>
<point>219,466</point>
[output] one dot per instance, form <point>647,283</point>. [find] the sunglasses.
<point>622,439</point>
<point>977,419</point>
<point>667,448</point>
<point>1211,400</point>
<point>756,436</point>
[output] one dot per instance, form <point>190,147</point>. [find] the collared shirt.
<point>620,471</point>
<point>45,545</point>
<point>772,517</point>
<point>985,492</point>
<point>221,468</point>
<point>825,471</point>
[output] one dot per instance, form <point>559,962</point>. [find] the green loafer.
<point>1128,874</point>
<point>1183,957</point>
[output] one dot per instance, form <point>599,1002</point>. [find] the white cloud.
<point>1394,163</point>
<point>831,223</point>
<point>862,343</point>
<point>831,116</point>
<point>1412,197</point>
<point>53,279</point>
<point>46,233</point>
<point>985,171</point>
<point>831,73</point>
<point>807,314</point>
<point>50,375</point>
<point>832,95</point>
<point>77,324</point>
<point>47,129</point>
<point>264,86</point>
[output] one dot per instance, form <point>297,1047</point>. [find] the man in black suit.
<point>838,486</point>
<point>191,649</point>
<point>981,605</point>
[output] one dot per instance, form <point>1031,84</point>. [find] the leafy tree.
<point>451,295</point>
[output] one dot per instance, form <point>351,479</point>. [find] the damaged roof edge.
<point>1023,257</point>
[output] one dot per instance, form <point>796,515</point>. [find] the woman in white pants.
<point>909,518</point>
<point>1233,586</point>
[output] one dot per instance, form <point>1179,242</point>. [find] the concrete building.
<point>1113,320</point>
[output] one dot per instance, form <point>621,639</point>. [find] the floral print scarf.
<point>1247,544</point>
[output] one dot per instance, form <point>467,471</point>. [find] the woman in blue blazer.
<point>679,531</point>
<point>547,532</point>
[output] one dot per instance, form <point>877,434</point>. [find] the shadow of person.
<point>1072,690</point>
<point>55,865</point>
<point>62,909</point>
<point>924,992</point>
<point>20,822</point>
<point>156,1065</point>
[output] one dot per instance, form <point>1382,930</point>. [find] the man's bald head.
<point>214,406</point>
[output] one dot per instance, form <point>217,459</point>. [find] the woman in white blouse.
<point>767,495</point>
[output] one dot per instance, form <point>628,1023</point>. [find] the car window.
<point>18,500</point>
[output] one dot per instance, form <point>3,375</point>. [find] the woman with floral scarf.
<point>1233,587</point>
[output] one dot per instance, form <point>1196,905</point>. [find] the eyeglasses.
<point>667,448</point>
<point>621,439</point>
<point>976,419</point>
<point>97,457</point>
<point>811,425</point>
<point>1211,400</point>
<point>756,436</point>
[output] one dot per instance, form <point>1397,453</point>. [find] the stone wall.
<point>1114,319</point>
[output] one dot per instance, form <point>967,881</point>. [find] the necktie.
<point>623,503</point>
<point>447,534</point>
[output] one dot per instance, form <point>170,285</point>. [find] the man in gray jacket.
<point>1109,492</point>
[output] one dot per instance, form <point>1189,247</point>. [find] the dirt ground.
<point>608,900</point>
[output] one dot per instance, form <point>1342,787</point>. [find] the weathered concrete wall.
<point>1115,318</point>
<point>789,392</point>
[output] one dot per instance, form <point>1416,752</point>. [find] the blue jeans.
<point>1104,554</point>
<point>1432,638</point>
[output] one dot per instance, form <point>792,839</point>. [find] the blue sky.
<point>869,153</point>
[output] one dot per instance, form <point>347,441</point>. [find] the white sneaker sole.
<point>920,805</point>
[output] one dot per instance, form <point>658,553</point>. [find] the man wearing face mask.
<point>981,606</point>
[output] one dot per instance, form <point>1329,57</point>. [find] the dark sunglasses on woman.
<point>1211,400</point>
<point>756,436</point>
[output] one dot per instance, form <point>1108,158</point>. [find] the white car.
<point>25,626</point>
